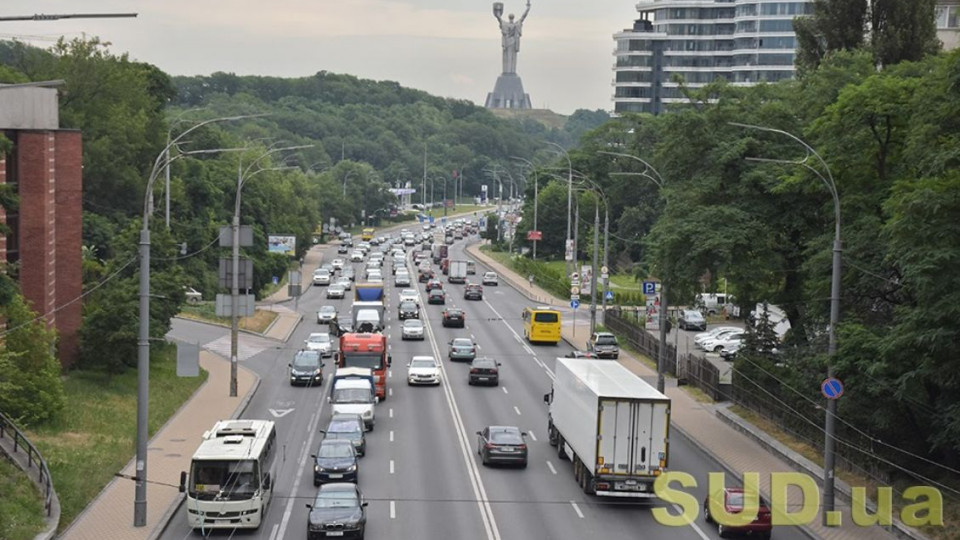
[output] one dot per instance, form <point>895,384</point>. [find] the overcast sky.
<point>449,48</point>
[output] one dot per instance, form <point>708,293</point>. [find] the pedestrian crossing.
<point>248,346</point>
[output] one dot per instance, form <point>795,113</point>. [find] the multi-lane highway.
<point>421,474</point>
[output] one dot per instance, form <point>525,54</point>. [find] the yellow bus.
<point>541,324</point>
<point>367,234</point>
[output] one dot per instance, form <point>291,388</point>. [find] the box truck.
<point>612,425</point>
<point>457,272</point>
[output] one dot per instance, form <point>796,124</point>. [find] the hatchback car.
<point>412,329</point>
<point>335,461</point>
<point>502,444</point>
<point>347,426</point>
<point>321,342</point>
<point>484,371</point>
<point>733,502</point>
<point>423,370</point>
<point>409,294</point>
<point>356,256</point>
<point>462,349</point>
<point>326,314</point>
<point>343,249</point>
<point>437,296</point>
<point>321,277</point>
<point>340,510</point>
<point>490,278</point>
<point>454,317</point>
<point>402,279</point>
<point>434,284</point>
<point>473,292</point>
<point>306,368</point>
<point>336,291</point>
<point>408,310</point>
<point>691,319</point>
<point>604,345</point>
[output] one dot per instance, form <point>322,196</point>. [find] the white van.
<point>355,396</point>
<point>714,303</point>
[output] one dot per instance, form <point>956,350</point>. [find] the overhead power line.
<point>57,17</point>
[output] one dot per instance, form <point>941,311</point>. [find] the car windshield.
<point>490,275</point>
<point>363,360</point>
<point>423,363</point>
<point>224,479</point>
<point>436,292</point>
<point>454,312</point>
<point>408,305</point>
<point>306,361</point>
<point>328,310</point>
<point>546,317</point>
<point>504,436</point>
<point>484,363</point>
<point>352,395</point>
<point>462,342</point>
<point>412,323</point>
<point>335,451</point>
<point>606,340</point>
<point>344,426</point>
<point>320,338</point>
<point>735,499</point>
<point>336,499</point>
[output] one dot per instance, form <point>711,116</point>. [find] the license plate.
<point>483,378</point>
<point>631,482</point>
<point>336,476</point>
<point>335,533</point>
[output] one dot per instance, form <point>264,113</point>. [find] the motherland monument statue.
<point>508,92</point>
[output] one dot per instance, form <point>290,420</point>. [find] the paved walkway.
<point>699,422</point>
<point>110,515</point>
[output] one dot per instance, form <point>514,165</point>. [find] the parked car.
<point>484,371</point>
<point>337,508</point>
<point>347,426</point>
<point>335,461</point>
<point>193,296</point>
<point>473,292</point>
<point>437,296</point>
<point>462,349</point>
<point>412,329</point>
<point>712,333</point>
<point>580,354</point>
<point>604,345</point>
<point>306,368</point>
<point>326,314</point>
<point>454,317</point>
<point>691,319</point>
<point>724,341</point>
<point>490,278</point>
<point>336,291</point>
<point>502,444</point>
<point>733,502</point>
<point>423,370</point>
<point>408,310</point>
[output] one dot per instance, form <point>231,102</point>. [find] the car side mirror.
<point>523,433</point>
<point>479,433</point>
<point>310,506</point>
<point>329,399</point>
<point>364,504</point>
<point>183,481</point>
<point>389,360</point>
<point>376,400</point>
<point>289,365</point>
<point>546,398</point>
<point>314,456</point>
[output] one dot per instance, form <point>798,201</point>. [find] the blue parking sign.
<point>649,287</point>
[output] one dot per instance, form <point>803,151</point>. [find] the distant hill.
<point>546,117</point>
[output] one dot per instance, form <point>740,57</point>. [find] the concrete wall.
<point>28,107</point>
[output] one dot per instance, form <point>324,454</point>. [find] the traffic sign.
<point>574,290</point>
<point>604,270</point>
<point>609,295</point>
<point>649,287</point>
<point>574,303</point>
<point>831,388</point>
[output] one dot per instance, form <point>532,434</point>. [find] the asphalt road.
<point>422,474</point>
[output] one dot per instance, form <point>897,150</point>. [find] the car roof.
<point>342,417</point>
<point>484,360</point>
<point>423,358</point>
<point>468,340</point>
<point>506,429</point>
<point>339,486</point>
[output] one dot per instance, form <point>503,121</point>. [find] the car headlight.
<point>317,468</point>
<point>352,468</point>
<point>368,414</point>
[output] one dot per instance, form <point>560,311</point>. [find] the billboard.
<point>282,243</point>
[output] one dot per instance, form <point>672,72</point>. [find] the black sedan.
<point>437,296</point>
<point>484,371</point>
<point>335,461</point>
<point>338,508</point>
<point>473,292</point>
<point>502,444</point>
<point>454,317</point>
<point>408,310</point>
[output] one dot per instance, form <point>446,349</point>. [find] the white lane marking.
<point>693,525</point>
<point>391,466</point>
<point>390,391</point>
<point>273,532</point>
<point>466,450</point>
<point>550,466</point>
<point>391,435</point>
<point>389,373</point>
<point>504,388</point>
<point>393,510</point>
<point>391,412</point>
<point>473,337</point>
<point>577,509</point>
<point>528,349</point>
<point>532,436</point>
<point>287,512</point>
<point>516,409</point>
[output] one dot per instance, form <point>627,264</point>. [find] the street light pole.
<point>569,204</point>
<point>829,456</point>
<point>143,340</point>
<point>596,258</point>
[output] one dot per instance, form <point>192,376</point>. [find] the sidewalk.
<point>700,422</point>
<point>110,515</point>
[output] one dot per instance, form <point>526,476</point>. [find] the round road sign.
<point>604,270</point>
<point>574,290</point>
<point>831,388</point>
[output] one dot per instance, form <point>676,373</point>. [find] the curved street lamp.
<point>567,251</point>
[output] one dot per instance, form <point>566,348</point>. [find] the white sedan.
<point>337,264</point>
<point>725,341</point>
<point>412,329</point>
<point>718,334</point>
<point>344,282</point>
<point>336,291</point>
<point>318,341</point>
<point>356,256</point>
<point>409,294</point>
<point>490,278</point>
<point>423,370</point>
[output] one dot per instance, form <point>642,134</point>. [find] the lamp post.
<point>166,168</point>
<point>662,356</point>
<point>242,176</point>
<point>143,341</point>
<point>829,427</point>
<point>536,199</point>
<point>567,249</point>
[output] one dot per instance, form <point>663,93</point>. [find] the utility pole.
<point>536,203</point>
<point>423,194</point>
<point>606,257</point>
<point>596,258</point>
<point>576,236</point>
<point>444,196</point>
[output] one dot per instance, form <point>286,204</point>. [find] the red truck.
<point>366,351</point>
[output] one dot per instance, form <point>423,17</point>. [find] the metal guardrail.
<point>34,459</point>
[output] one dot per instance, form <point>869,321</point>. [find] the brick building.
<point>44,245</point>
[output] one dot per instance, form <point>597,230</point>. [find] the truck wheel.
<point>561,454</point>
<point>551,435</point>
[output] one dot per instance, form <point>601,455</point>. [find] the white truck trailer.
<point>611,424</point>
<point>457,272</point>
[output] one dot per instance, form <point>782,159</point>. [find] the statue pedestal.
<point>508,94</point>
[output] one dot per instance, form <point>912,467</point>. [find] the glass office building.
<point>690,43</point>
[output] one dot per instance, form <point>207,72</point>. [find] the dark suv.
<point>604,345</point>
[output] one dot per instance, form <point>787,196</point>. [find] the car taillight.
<point>474,370</point>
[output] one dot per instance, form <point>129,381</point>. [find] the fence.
<point>687,368</point>
<point>34,459</point>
